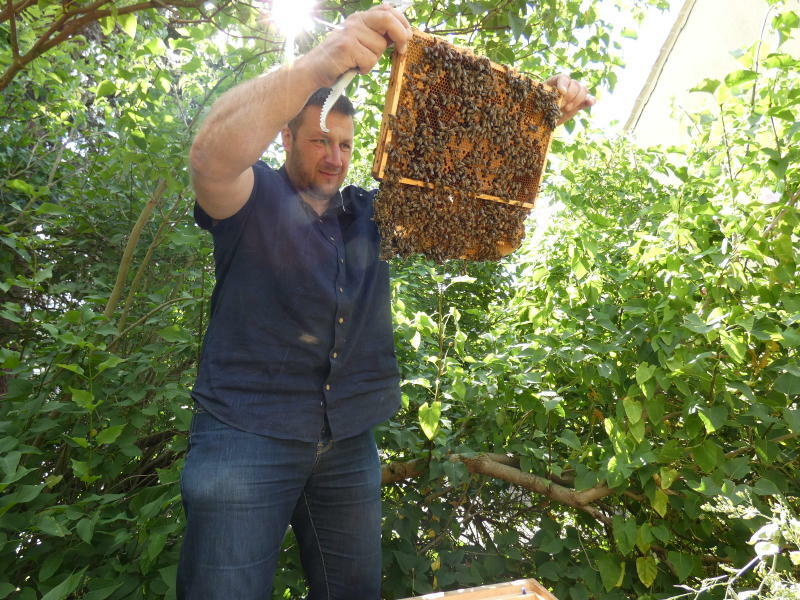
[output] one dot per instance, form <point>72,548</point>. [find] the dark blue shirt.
<point>300,316</point>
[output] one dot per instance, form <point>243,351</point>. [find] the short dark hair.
<point>342,105</point>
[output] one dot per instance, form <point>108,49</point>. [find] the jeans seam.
<point>319,547</point>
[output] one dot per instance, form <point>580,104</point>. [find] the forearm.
<point>244,120</point>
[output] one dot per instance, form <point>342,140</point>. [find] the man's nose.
<point>334,155</point>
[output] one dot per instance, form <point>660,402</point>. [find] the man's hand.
<point>574,96</point>
<point>359,43</point>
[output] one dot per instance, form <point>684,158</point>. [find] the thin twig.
<point>13,32</point>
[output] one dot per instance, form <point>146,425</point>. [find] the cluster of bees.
<point>462,128</point>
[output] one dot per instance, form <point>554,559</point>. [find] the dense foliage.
<point>576,413</point>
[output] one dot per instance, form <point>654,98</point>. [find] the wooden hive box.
<point>459,129</point>
<point>530,589</point>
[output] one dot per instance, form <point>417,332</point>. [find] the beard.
<point>304,180</point>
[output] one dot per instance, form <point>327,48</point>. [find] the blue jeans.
<point>241,491</point>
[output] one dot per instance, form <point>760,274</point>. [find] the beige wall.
<point>703,50</point>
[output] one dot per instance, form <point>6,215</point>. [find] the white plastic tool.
<point>345,79</point>
<point>336,91</point>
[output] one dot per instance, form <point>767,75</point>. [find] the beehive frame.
<point>533,131</point>
<point>528,589</point>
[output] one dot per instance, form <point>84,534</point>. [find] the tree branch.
<point>70,23</point>
<point>398,471</point>
<point>13,31</point>
<point>133,239</point>
<point>499,467</point>
<point>133,326</point>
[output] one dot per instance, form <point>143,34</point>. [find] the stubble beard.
<point>303,181</point>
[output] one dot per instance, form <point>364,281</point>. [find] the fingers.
<point>574,96</point>
<point>389,22</point>
<point>366,35</point>
<point>359,43</point>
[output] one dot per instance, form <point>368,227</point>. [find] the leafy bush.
<point>568,412</point>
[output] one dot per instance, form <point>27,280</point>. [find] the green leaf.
<point>20,185</point>
<point>85,529</point>
<point>421,381</point>
<point>106,88</point>
<point>26,493</point>
<point>109,434</point>
<point>550,400</point>
<point>735,347</point>
<point>173,333</point>
<point>83,398</point>
<point>660,502</point>
<point>459,390</point>
<point>668,477</point>
<point>128,23</point>
<point>739,77</point>
<point>792,418</point>
<point>788,383</point>
<point>66,587</point>
<point>429,418</point>
<point>655,408</point>
<point>72,367</point>
<point>516,23</point>
<point>633,409</point>
<point>426,323</point>
<point>612,572</point>
<point>707,85</point>
<point>49,525</point>
<point>83,471</point>
<point>43,274</point>
<point>696,324</point>
<point>644,372</point>
<point>713,417</point>
<point>5,589</point>
<point>707,455</point>
<point>791,338</point>
<point>109,363</point>
<point>644,538</point>
<point>624,533</point>
<point>637,430</point>
<point>766,487</point>
<point>787,21</point>
<point>646,569</point>
<point>107,25</point>
<point>101,593</point>
<point>9,463</point>
<point>49,208</point>
<point>682,563</point>
<point>416,339</point>
<point>570,438</point>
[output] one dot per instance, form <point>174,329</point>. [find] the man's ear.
<point>286,138</point>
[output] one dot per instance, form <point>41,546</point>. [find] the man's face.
<point>317,162</point>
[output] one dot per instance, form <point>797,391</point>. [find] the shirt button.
<point>333,239</point>
<point>341,260</point>
<point>341,320</point>
<point>334,355</point>
<point>341,290</point>
<point>327,386</point>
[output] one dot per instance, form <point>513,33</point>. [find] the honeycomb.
<point>461,152</point>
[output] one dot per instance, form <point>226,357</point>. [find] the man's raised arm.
<point>244,120</point>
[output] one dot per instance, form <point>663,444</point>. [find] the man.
<point>298,362</point>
